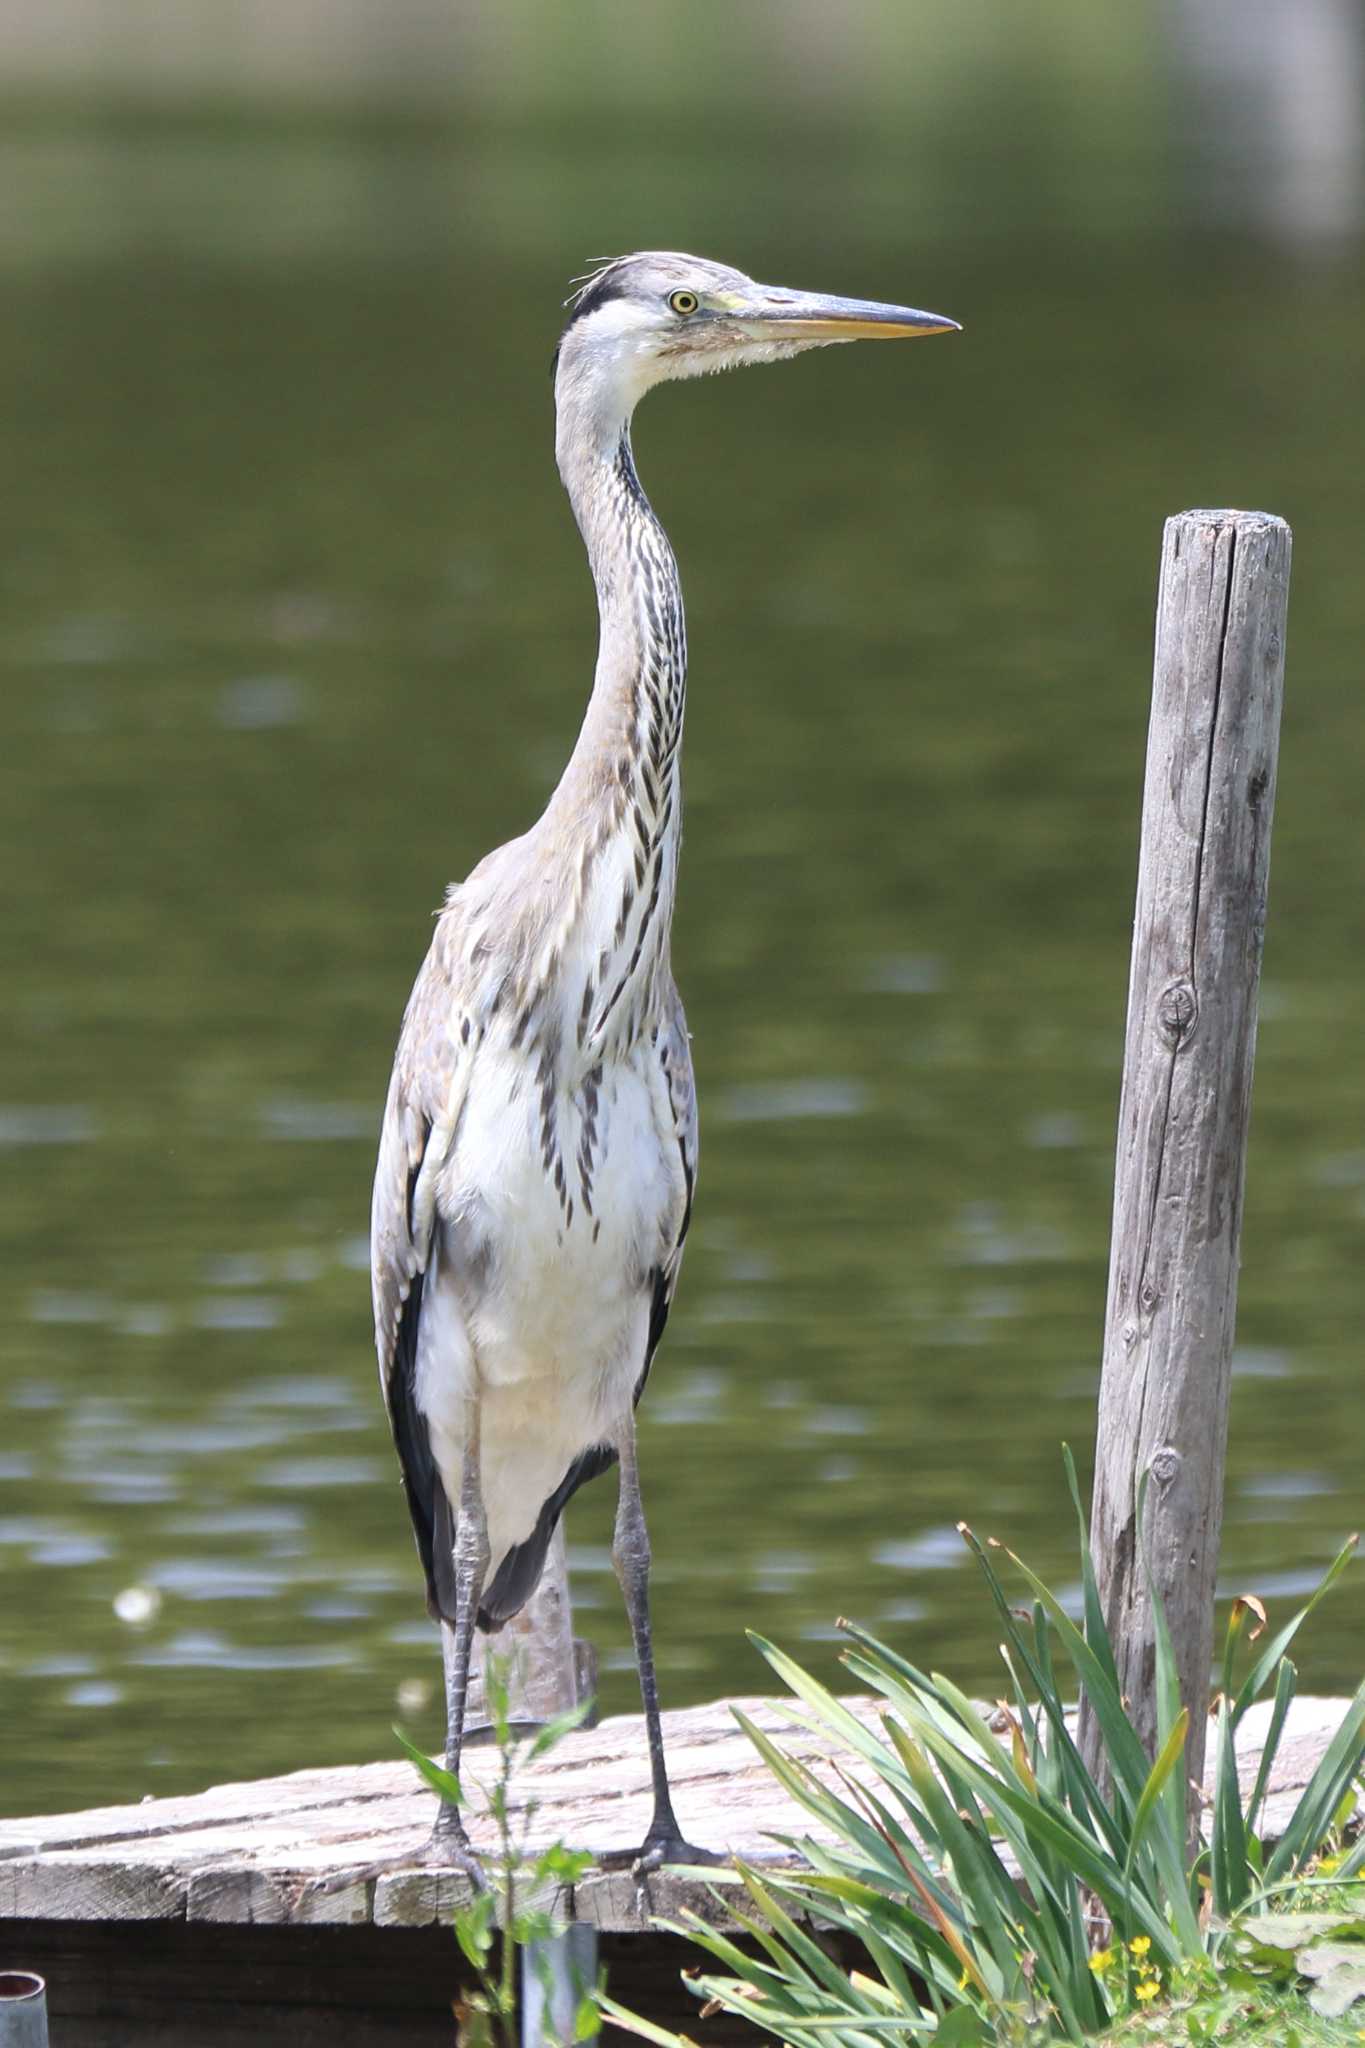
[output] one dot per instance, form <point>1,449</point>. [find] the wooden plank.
<point>263,1855</point>
<point>90,1888</point>
<point>1188,1056</point>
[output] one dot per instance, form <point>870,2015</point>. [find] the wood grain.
<point>297,1851</point>
<point>207,1920</point>
<point>1185,1108</point>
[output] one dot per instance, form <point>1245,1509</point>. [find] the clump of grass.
<point>998,1891</point>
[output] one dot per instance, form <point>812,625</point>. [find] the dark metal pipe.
<point>23,2010</point>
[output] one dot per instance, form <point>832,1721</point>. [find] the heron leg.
<point>630,1555</point>
<point>450,1843</point>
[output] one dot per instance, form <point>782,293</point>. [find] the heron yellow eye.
<point>683,302</point>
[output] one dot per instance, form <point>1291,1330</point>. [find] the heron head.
<point>643,319</point>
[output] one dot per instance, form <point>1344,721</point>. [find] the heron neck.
<point>614,821</point>
<point>627,757</point>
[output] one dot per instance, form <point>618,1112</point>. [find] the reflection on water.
<point>294,626</point>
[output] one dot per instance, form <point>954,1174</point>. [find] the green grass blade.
<point>1312,1817</point>
<point>1167,1676</point>
<point>1171,1752</point>
<point>1254,1684</point>
<point>808,1791</point>
<point>1082,1792</point>
<point>1228,1870</point>
<point>1053,1827</point>
<point>644,2030</point>
<point>1096,1631</point>
<point>1127,1759</point>
<point>1286,1683</point>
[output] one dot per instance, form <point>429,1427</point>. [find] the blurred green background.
<point>294,625</point>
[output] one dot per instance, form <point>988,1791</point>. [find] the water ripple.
<point>933,1550</point>
<point>297,1120</point>
<point>237,1312</point>
<point>787,1101</point>
<point>46,1123</point>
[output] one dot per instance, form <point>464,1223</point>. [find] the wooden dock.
<point>251,1913</point>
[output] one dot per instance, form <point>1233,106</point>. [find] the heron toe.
<point>660,1852</point>
<point>450,1847</point>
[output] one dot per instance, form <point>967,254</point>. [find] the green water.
<point>294,625</point>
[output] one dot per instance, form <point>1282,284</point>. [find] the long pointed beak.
<point>814,316</point>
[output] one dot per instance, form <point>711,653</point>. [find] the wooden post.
<point>1191,1039</point>
<point>547,1672</point>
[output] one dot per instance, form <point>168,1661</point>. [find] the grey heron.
<point>539,1147</point>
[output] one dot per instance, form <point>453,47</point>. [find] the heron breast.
<point>555,1210</point>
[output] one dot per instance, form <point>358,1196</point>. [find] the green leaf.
<point>1127,1759</point>
<point>565,1866</point>
<point>1286,1679</point>
<point>1096,1633</point>
<point>557,1727</point>
<point>1171,1753</point>
<point>960,2028</point>
<point>1282,1934</point>
<point>1228,1866</point>
<point>534,1924</point>
<point>1338,1972</point>
<point>474,1928</point>
<point>1311,1818</point>
<point>645,2030</point>
<point>440,1780</point>
<point>587,2020</point>
<point>1255,1681</point>
<point>1167,1694</point>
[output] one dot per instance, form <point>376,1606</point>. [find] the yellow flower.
<point>1147,1990</point>
<point>1139,1944</point>
<point>1101,1960</point>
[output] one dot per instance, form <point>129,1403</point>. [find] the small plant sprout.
<point>512,1916</point>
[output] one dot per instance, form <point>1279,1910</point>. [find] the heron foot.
<point>450,1847</point>
<point>659,1851</point>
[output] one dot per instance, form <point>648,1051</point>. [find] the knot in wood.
<point>1177,1011</point>
<point>1165,1465</point>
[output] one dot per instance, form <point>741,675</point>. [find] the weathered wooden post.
<point>548,1669</point>
<point>1191,1039</point>
<point>547,1672</point>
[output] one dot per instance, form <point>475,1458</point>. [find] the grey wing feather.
<point>419,1090</point>
<point>412,1144</point>
<point>675,1053</point>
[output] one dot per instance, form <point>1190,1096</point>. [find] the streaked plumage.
<point>539,1146</point>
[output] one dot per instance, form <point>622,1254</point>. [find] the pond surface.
<point>294,625</point>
